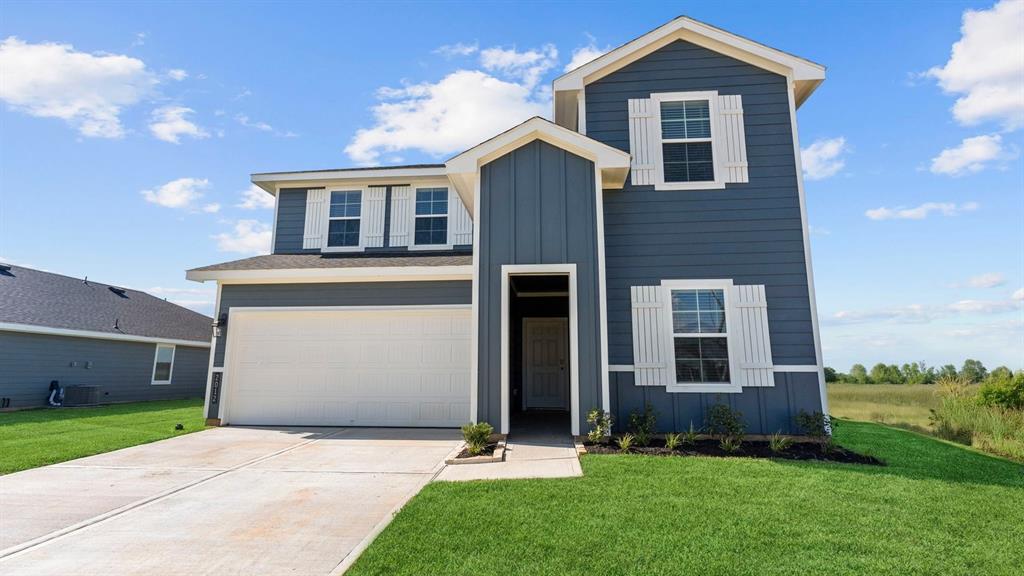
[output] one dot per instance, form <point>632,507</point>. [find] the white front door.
<point>401,366</point>
<point>546,363</point>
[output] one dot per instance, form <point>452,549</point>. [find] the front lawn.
<point>936,508</point>
<point>32,438</point>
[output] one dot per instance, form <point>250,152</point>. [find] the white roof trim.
<point>462,169</point>
<point>51,331</point>
<point>368,274</point>
<point>273,180</point>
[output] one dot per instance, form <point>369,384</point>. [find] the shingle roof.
<point>306,261</point>
<point>40,298</point>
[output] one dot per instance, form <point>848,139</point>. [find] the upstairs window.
<point>431,217</point>
<point>686,144</point>
<point>344,218</point>
<point>700,336</point>
<point>163,364</point>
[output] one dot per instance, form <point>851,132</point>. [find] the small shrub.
<point>730,444</point>
<point>625,442</point>
<point>723,421</point>
<point>642,424</point>
<point>1003,392</point>
<point>601,425</point>
<point>819,426</point>
<point>672,440</point>
<point>779,443</point>
<point>690,436</point>
<point>476,436</point>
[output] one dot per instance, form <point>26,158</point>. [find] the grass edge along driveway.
<point>38,437</point>
<point>936,508</point>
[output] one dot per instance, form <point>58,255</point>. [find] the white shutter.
<point>401,215</point>
<point>732,144</point>
<point>316,218</point>
<point>461,225</point>
<point>651,360</point>
<point>750,323</point>
<point>372,219</point>
<point>642,141</point>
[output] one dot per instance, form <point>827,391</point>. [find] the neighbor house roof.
<point>37,301</point>
<point>368,267</point>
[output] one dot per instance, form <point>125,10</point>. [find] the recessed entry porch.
<point>540,396</point>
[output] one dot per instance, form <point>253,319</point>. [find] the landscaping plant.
<point>477,437</point>
<point>779,443</point>
<point>730,444</point>
<point>601,425</point>
<point>625,442</point>
<point>672,440</point>
<point>690,436</point>
<point>727,425</point>
<point>819,426</point>
<point>643,424</point>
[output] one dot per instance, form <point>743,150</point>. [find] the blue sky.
<point>127,136</point>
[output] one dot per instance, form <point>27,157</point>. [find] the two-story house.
<point>648,246</point>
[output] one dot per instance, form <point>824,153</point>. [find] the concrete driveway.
<point>222,501</point>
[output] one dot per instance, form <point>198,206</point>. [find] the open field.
<point>31,438</point>
<point>903,405</point>
<point>937,508</point>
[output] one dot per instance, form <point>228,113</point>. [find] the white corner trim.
<point>368,274</point>
<point>509,270</point>
<point>50,331</point>
<point>602,294</point>
<point>156,355</point>
<point>213,351</point>
<point>807,250</point>
<point>474,361</point>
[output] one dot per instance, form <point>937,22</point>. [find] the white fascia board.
<point>799,69</point>
<point>274,180</point>
<point>51,331</point>
<point>305,275</point>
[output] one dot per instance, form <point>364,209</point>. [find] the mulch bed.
<point>749,449</point>
<point>488,451</point>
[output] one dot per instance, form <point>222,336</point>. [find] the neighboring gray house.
<point>648,246</point>
<point>102,343</point>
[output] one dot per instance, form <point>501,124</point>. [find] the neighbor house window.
<point>163,364</point>
<point>343,222</point>
<point>431,216</point>
<point>700,335</point>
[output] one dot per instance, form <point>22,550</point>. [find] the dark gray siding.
<point>122,370</point>
<point>537,206</point>
<point>749,232</point>
<point>339,294</point>
<point>291,222</point>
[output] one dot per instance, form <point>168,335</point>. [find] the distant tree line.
<point>972,371</point>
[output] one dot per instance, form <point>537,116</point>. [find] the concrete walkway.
<point>222,501</point>
<point>534,451</point>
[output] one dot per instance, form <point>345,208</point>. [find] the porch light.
<point>219,325</point>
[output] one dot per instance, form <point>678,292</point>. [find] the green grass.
<point>32,438</point>
<point>936,508</point>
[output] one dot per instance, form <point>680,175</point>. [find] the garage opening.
<point>539,349</point>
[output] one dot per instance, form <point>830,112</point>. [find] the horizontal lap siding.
<point>338,294</point>
<point>751,233</point>
<point>122,370</point>
<point>291,222</point>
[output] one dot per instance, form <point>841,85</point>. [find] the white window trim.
<point>412,225</point>
<point>733,386</point>
<point>327,222</point>
<point>659,165</point>
<point>156,355</point>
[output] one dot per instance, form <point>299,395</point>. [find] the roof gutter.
<point>52,331</point>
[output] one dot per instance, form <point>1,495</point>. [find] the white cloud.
<point>169,123</point>
<point>818,230</point>
<point>88,91</point>
<point>451,115</point>
<point>177,74</point>
<point>986,66</point>
<point>256,198</point>
<point>248,123</point>
<point>1018,294</point>
<point>247,237</point>
<point>211,208</point>
<point>140,39</point>
<point>527,67</point>
<point>920,212</point>
<point>823,158</point>
<point>584,54</point>
<point>988,280</point>
<point>920,313</point>
<point>972,155</point>
<point>457,49</point>
<point>982,306</point>
<point>180,193</point>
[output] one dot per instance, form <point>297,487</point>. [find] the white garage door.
<point>383,367</point>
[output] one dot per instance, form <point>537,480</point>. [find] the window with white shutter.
<point>687,140</point>
<point>315,229</point>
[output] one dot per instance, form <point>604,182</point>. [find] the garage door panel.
<point>405,367</point>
